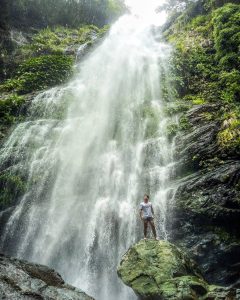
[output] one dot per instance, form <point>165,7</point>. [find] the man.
<point>147,214</point>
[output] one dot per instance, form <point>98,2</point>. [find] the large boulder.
<point>160,270</point>
<point>21,280</point>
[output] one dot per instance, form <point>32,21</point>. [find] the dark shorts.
<point>148,219</point>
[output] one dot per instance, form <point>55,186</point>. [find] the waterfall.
<point>88,151</point>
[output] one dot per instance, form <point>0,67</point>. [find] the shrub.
<point>226,22</point>
<point>229,83</point>
<point>9,108</point>
<point>39,73</point>
<point>56,40</point>
<point>229,135</point>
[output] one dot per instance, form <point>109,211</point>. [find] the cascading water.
<point>90,150</point>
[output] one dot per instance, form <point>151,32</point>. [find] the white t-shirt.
<point>147,209</point>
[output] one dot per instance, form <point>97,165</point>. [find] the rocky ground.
<point>21,280</point>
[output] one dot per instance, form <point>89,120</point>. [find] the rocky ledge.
<point>158,270</point>
<point>23,280</point>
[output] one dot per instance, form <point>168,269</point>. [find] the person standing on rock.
<point>147,215</point>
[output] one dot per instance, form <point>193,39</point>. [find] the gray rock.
<point>21,280</point>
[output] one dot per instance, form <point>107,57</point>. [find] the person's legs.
<point>145,228</point>
<point>153,229</point>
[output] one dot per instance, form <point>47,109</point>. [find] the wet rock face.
<point>199,141</point>
<point>160,270</point>
<point>23,280</point>
<point>206,212</point>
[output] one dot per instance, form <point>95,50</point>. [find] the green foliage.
<point>9,108</point>
<point>39,73</point>
<point>208,116</point>
<point>227,29</point>
<point>177,107</point>
<point>57,40</point>
<point>12,186</point>
<point>194,62</point>
<point>43,13</point>
<point>195,99</point>
<point>207,46</point>
<point>172,130</point>
<point>229,135</point>
<point>229,84</point>
<point>184,123</point>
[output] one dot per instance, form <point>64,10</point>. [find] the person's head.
<point>146,198</point>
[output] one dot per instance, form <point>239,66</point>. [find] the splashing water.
<point>89,151</point>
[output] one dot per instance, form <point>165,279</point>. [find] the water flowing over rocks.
<point>21,280</point>
<point>158,270</point>
<point>86,155</point>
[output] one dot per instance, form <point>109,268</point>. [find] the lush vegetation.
<point>61,39</point>
<point>206,65</point>
<point>45,61</point>
<point>39,73</point>
<point>9,108</point>
<point>69,13</point>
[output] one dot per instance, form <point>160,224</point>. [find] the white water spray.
<point>90,150</point>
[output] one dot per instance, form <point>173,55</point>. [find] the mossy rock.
<point>160,270</point>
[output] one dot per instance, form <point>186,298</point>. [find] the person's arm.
<point>152,210</point>
<point>140,212</point>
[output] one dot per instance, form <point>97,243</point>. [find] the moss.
<point>155,268</point>
<point>185,287</point>
<point>198,101</point>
